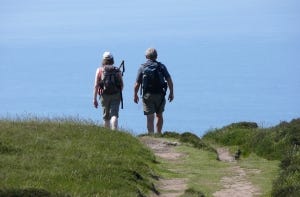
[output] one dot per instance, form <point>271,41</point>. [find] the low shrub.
<point>288,182</point>
<point>281,142</point>
<point>191,138</point>
<point>193,193</point>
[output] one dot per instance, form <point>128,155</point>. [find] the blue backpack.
<point>153,80</point>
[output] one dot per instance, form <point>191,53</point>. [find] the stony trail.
<point>165,150</point>
<point>235,185</point>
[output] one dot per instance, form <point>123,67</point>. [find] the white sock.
<point>114,122</point>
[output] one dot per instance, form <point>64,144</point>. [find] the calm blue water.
<point>228,64</point>
<point>216,86</point>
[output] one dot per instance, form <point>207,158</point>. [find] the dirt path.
<point>235,185</point>
<point>165,150</point>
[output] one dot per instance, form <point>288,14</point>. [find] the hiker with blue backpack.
<point>153,78</point>
<point>108,85</point>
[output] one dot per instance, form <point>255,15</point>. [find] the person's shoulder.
<point>161,65</point>
<point>98,69</point>
<point>145,64</point>
<point>99,72</point>
<point>142,66</point>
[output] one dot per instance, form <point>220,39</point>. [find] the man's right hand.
<point>136,90</point>
<point>136,98</point>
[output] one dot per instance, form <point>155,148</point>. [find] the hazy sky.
<point>230,60</point>
<point>52,21</point>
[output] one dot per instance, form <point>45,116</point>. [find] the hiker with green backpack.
<point>153,78</point>
<point>109,85</point>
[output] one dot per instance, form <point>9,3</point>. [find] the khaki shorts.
<point>153,103</point>
<point>110,105</point>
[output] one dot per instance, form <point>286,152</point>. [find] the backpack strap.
<point>100,70</point>
<point>100,73</point>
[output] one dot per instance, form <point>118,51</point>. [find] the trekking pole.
<point>122,66</point>
<point>121,99</point>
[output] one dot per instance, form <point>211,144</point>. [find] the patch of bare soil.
<point>165,150</point>
<point>224,155</point>
<point>235,185</point>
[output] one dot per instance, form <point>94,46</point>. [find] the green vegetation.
<point>71,158</point>
<point>78,158</point>
<point>198,166</point>
<point>260,172</point>
<point>204,172</point>
<point>202,169</point>
<point>277,143</point>
<point>288,182</point>
<point>190,138</point>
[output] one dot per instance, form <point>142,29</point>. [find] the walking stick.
<point>122,69</point>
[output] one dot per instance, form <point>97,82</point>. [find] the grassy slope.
<point>69,158</point>
<point>204,172</point>
<point>80,159</point>
<point>261,172</point>
<point>281,142</point>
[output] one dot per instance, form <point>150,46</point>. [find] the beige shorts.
<point>153,103</point>
<point>110,105</point>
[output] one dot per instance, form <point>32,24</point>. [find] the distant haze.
<point>230,60</point>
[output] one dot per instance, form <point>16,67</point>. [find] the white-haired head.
<point>151,54</point>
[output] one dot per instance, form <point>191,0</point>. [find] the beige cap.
<point>107,55</point>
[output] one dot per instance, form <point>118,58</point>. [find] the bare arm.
<point>170,84</point>
<point>96,88</point>
<point>136,90</point>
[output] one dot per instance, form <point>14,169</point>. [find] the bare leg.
<point>107,123</point>
<point>159,122</point>
<point>150,123</point>
<point>114,122</point>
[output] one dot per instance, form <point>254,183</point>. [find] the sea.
<point>215,84</point>
<point>230,61</point>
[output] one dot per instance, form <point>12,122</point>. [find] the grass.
<point>70,157</point>
<point>204,172</point>
<point>67,158</point>
<point>199,165</point>
<point>288,181</point>
<point>202,169</point>
<point>281,142</point>
<point>261,172</point>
